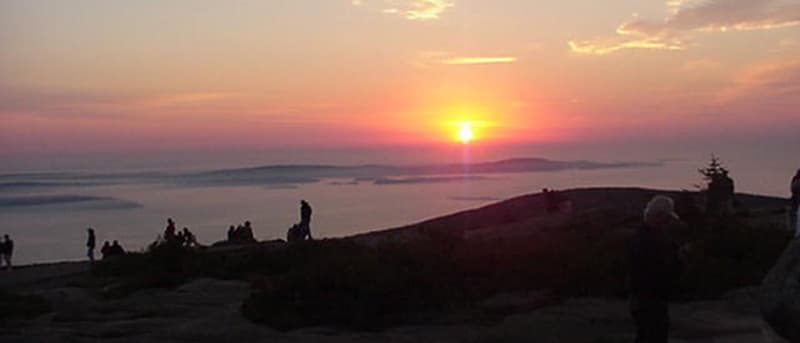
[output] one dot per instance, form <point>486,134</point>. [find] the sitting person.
<point>242,233</point>
<point>294,234</point>
<point>187,238</point>
<point>247,232</point>
<point>298,232</point>
<point>106,250</point>
<point>116,249</point>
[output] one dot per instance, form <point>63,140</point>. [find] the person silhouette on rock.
<point>7,251</point>
<point>169,232</point>
<point>106,250</point>
<point>305,219</point>
<point>90,244</point>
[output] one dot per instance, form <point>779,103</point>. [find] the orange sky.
<point>170,75</point>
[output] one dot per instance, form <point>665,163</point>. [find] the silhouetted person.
<point>295,233</point>
<point>231,233</point>
<point>8,251</point>
<point>90,244</point>
<point>795,188</point>
<point>797,224</point>
<point>169,232</point>
<point>247,232</point>
<point>106,249</point>
<point>187,237</point>
<point>305,219</point>
<point>655,266</point>
<point>116,249</point>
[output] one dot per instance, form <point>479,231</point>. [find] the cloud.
<point>478,60</point>
<point>766,88</point>
<point>421,10</point>
<point>689,17</point>
<point>96,104</point>
<point>432,58</point>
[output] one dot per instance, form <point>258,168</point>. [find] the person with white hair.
<point>655,266</point>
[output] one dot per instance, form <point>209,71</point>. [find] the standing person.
<point>655,265</point>
<point>305,218</point>
<point>90,244</point>
<point>231,233</point>
<point>8,251</point>
<point>169,232</point>
<point>2,252</point>
<point>797,224</point>
<point>795,188</point>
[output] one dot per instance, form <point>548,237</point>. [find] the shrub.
<point>336,282</point>
<point>161,266</point>
<point>732,255</point>
<point>15,306</point>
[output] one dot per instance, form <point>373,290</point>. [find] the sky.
<point>173,75</point>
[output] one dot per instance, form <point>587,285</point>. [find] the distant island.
<point>303,173</point>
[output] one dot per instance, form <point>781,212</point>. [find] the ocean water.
<point>47,204</point>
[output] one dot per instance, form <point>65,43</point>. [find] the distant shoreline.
<point>633,194</point>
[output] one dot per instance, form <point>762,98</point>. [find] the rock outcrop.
<point>780,294</point>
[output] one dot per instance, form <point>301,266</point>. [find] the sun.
<point>465,134</point>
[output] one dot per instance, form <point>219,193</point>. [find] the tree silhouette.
<point>714,170</point>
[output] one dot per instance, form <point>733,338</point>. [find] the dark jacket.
<point>8,247</point>
<point>305,213</point>
<point>655,265</point>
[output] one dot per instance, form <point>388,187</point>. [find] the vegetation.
<point>339,282</point>
<point>15,306</point>
<point>713,170</point>
<point>163,265</point>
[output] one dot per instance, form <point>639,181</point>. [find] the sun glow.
<point>465,134</point>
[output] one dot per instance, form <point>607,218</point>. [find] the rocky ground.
<point>207,310</point>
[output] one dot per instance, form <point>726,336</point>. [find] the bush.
<point>336,282</point>
<point>733,254</point>
<point>161,266</point>
<point>16,306</point>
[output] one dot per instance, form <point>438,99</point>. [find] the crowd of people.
<point>184,237</point>
<point>241,233</point>
<point>111,250</point>
<point>108,250</point>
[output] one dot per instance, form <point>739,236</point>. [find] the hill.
<point>505,272</point>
